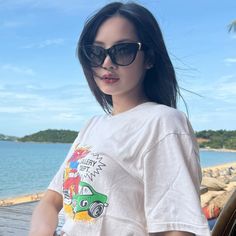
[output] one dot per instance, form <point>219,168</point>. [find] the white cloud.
<point>68,116</point>
<point>229,61</point>
<point>18,69</point>
<point>45,43</point>
<point>36,108</point>
<point>214,120</point>
<point>211,92</point>
<point>67,102</point>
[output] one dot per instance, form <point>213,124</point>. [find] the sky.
<point>42,85</point>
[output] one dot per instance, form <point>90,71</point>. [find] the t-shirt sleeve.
<point>57,181</point>
<point>172,177</point>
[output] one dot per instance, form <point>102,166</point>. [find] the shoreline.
<point>217,149</point>
<point>21,199</point>
<point>220,166</point>
<point>51,142</point>
<point>37,196</point>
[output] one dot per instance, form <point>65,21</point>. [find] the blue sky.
<point>42,85</point>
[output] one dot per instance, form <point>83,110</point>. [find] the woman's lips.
<point>109,79</point>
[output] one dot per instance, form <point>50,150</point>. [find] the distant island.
<point>7,138</point>
<point>51,136</point>
<point>46,136</point>
<point>211,139</point>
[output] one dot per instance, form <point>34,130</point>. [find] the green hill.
<point>51,136</point>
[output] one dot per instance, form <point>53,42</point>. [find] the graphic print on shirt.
<point>81,200</point>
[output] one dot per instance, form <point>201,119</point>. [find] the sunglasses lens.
<point>124,54</point>
<point>95,54</point>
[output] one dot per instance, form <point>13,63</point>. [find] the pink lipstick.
<point>109,78</point>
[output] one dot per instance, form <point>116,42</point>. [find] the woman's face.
<point>119,81</point>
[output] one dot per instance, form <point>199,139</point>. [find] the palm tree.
<point>232,26</point>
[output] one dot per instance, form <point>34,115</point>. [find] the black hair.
<point>160,84</point>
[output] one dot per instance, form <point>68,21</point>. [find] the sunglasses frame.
<point>108,52</point>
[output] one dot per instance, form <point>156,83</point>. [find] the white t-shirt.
<point>131,174</point>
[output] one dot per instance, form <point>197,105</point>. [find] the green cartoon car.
<point>89,200</point>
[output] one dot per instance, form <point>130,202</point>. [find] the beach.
<point>218,149</point>
<point>221,166</point>
<point>21,199</point>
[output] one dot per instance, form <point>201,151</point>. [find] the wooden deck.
<point>15,214</point>
<point>15,219</point>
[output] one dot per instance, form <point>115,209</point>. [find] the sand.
<point>222,166</point>
<point>21,199</point>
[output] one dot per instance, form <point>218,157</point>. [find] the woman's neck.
<point>123,105</point>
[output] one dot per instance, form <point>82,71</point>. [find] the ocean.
<point>28,167</point>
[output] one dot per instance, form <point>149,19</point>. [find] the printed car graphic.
<point>89,200</point>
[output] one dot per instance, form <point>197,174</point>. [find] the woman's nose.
<point>107,63</point>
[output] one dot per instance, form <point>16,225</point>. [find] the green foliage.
<point>232,26</point>
<point>51,136</point>
<point>218,139</point>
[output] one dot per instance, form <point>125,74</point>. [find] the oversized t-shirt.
<point>131,174</point>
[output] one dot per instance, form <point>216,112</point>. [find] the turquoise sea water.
<point>29,167</point>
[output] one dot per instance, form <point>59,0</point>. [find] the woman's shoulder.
<point>169,119</point>
<point>163,112</point>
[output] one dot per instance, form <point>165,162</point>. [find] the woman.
<point>135,170</point>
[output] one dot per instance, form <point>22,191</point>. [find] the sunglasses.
<point>121,54</point>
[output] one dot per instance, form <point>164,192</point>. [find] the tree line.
<point>217,139</point>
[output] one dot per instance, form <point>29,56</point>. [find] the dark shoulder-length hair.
<point>160,84</point>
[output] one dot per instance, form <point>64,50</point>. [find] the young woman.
<point>135,170</point>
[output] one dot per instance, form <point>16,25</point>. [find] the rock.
<point>216,173</point>
<point>233,170</point>
<point>233,179</point>
<point>207,173</point>
<point>220,200</point>
<point>213,184</point>
<point>231,186</point>
<point>208,196</point>
<point>224,179</point>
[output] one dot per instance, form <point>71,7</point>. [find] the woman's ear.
<point>150,58</point>
<point>148,66</point>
